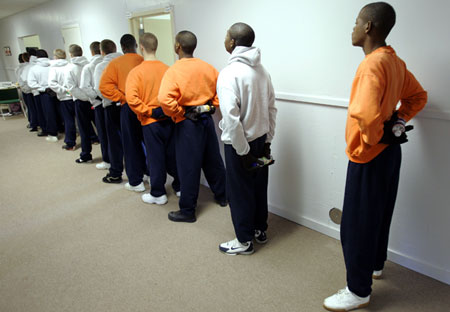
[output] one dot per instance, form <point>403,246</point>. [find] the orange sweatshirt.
<point>112,82</point>
<point>142,89</point>
<point>381,81</point>
<point>188,82</point>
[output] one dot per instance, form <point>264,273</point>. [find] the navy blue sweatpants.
<point>32,114</point>
<point>68,113</point>
<point>99,113</point>
<point>196,149</point>
<point>247,192</point>
<point>50,114</point>
<point>132,142</point>
<point>40,113</point>
<point>115,151</point>
<point>83,111</point>
<point>160,144</point>
<point>370,193</point>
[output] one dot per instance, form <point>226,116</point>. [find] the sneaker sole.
<point>260,242</point>
<point>245,253</point>
<point>112,182</point>
<point>345,310</point>
<point>135,190</point>
<point>155,203</point>
<point>377,277</point>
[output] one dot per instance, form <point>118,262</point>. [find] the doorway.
<point>159,23</point>
<point>31,41</point>
<point>71,35</point>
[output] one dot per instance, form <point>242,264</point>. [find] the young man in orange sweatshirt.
<point>374,132</point>
<point>141,91</point>
<point>112,87</point>
<point>188,89</point>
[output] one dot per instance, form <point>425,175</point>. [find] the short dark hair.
<point>20,58</point>
<point>242,34</point>
<point>382,16</point>
<point>149,42</point>
<point>75,50</point>
<point>128,42</point>
<point>41,53</point>
<point>32,51</point>
<point>187,41</point>
<point>26,56</point>
<point>95,47</point>
<point>108,46</point>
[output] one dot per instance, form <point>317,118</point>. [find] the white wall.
<point>306,47</point>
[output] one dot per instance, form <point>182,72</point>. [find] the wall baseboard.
<point>414,264</point>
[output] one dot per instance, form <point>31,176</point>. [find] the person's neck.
<point>183,55</point>
<point>129,51</point>
<point>149,56</point>
<point>371,46</point>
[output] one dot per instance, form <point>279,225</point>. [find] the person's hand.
<point>250,162</point>
<point>395,135</point>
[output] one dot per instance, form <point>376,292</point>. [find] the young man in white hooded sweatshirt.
<point>87,86</point>
<point>82,104</point>
<point>56,81</point>
<point>30,60</point>
<point>38,82</point>
<point>247,104</point>
<point>112,141</point>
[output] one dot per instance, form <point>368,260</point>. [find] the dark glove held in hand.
<point>158,113</point>
<point>250,162</point>
<point>389,137</point>
<point>50,92</point>
<point>267,150</point>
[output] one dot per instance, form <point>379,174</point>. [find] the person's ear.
<point>232,44</point>
<point>177,47</point>
<point>368,27</point>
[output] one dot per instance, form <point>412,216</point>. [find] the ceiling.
<point>10,7</point>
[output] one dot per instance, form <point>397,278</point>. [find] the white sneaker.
<point>235,247</point>
<point>138,188</point>
<point>149,199</point>
<point>146,178</point>
<point>51,138</point>
<point>377,274</point>
<point>345,300</point>
<point>178,193</point>
<point>103,166</point>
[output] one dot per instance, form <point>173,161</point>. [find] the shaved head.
<point>242,34</point>
<point>75,50</point>
<point>187,41</point>
<point>149,42</point>
<point>95,47</point>
<point>128,43</point>
<point>382,16</point>
<point>108,46</point>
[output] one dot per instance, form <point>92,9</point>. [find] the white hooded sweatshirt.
<point>247,100</point>
<point>98,74</point>
<point>87,80</point>
<point>19,71</point>
<point>23,79</point>
<point>74,76</point>
<point>38,75</point>
<point>56,78</point>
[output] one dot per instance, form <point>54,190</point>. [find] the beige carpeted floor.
<point>69,242</point>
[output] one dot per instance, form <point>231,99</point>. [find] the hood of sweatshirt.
<point>97,58</point>
<point>33,59</point>
<point>247,55</point>
<point>111,56</point>
<point>43,61</point>
<point>59,63</point>
<point>79,60</point>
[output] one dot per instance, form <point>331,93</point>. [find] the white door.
<point>71,35</point>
